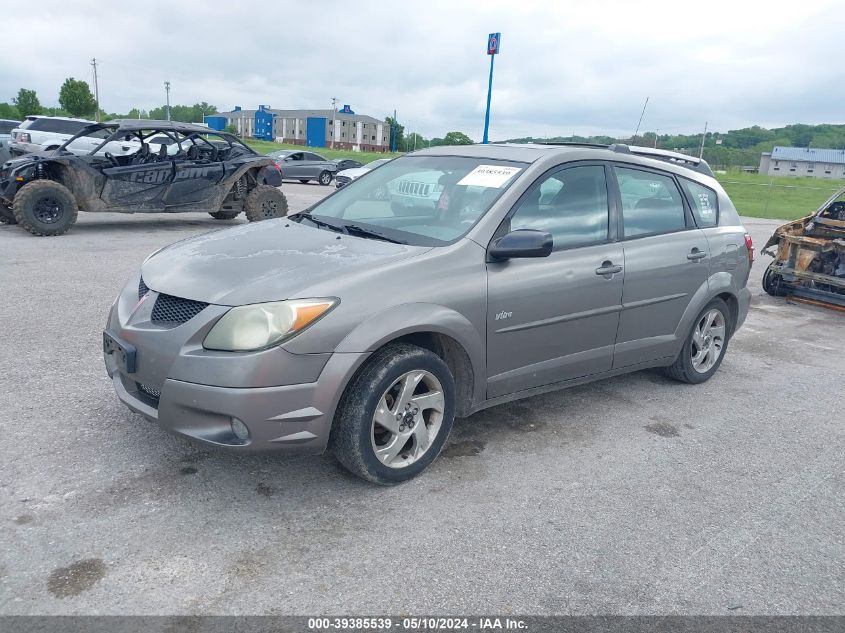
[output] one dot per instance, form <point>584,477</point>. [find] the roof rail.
<point>573,144</point>
<point>683,160</point>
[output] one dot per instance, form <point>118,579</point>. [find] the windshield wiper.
<point>354,229</point>
<point>307,215</point>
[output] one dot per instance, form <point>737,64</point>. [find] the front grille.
<point>142,288</point>
<point>150,392</point>
<point>170,310</point>
<point>342,180</point>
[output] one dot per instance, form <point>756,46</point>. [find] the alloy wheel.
<point>407,419</point>
<point>708,339</point>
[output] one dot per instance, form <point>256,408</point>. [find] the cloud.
<point>564,67</point>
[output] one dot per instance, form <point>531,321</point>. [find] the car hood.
<point>264,261</point>
<point>355,172</point>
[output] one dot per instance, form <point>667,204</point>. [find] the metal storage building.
<point>815,162</point>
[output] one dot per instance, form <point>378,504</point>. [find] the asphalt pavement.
<point>634,495</point>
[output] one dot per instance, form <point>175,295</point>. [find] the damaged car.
<point>140,166</point>
<point>809,256</point>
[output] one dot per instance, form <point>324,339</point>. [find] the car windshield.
<point>419,200</point>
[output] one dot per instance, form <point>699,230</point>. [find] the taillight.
<point>750,246</point>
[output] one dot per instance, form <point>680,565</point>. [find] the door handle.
<point>608,269</point>
<point>696,254</point>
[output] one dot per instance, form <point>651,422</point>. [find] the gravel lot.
<point>634,495</point>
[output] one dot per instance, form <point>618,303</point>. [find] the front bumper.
<point>286,401</point>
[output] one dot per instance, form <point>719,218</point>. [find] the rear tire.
<point>45,208</point>
<point>376,393</point>
<point>265,203</point>
<point>773,283</point>
<point>685,369</point>
<point>325,178</point>
<point>224,215</point>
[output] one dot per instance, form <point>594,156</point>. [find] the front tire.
<point>265,203</point>
<point>45,208</point>
<point>395,415</point>
<point>325,178</point>
<point>705,347</point>
<point>773,283</point>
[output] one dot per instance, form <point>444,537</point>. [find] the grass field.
<point>365,157</point>
<point>781,198</point>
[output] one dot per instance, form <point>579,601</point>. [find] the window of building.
<point>374,137</point>
<point>705,203</point>
<point>571,204</point>
<point>651,203</point>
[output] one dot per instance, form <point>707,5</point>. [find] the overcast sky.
<point>582,67</point>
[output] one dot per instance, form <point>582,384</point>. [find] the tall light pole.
<point>492,50</point>
<point>96,90</point>
<point>167,90</point>
<point>334,118</point>
<point>703,136</point>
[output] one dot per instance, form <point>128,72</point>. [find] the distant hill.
<point>729,149</point>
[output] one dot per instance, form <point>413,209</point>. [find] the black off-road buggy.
<point>140,166</point>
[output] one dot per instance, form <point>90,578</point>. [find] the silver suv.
<point>357,329</point>
<point>40,133</point>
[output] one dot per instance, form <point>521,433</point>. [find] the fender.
<point>395,322</point>
<point>718,283</point>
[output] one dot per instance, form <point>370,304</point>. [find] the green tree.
<point>415,141</point>
<point>397,131</point>
<point>8,111</point>
<point>75,97</point>
<point>231,129</point>
<point>27,103</point>
<point>457,138</point>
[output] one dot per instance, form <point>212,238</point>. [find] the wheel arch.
<point>443,331</point>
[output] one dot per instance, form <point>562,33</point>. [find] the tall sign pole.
<point>492,50</point>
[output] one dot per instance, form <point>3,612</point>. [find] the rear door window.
<point>705,203</point>
<point>651,203</point>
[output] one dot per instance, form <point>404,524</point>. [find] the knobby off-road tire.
<point>224,215</point>
<point>356,436</point>
<point>264,203</point>
<point>716,335</point>
<point>45,208</point>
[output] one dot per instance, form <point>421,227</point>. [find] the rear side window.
<point>7,126</point>
<point>651,203</point>
<point>705,205</point>
<point>571,204</point>
<point>57,126</point>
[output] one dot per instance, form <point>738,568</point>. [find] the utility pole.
<point>656,134</point>
<point>701,150</point>
<point>167,90</point>
<point>334,118</point>
<point>96,90</point>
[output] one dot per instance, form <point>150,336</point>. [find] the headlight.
<point>253,327</point>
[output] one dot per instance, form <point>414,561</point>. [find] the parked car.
<point>305,166</point>
<point>348,175</point>
<point>201,170</point>
<point>351,328</point>
<point>809,255</point>
<point>6,127</point>
<point>347,163</point>
<point>39,133</point>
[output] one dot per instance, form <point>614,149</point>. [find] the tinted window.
<point>651,203</point>
<point>571,204</point>
<point>57,126</point>
<point>7,126</point>
<point>314,157</point>
<point>705,204</point>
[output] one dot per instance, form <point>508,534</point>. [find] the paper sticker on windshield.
<point>489,176</point>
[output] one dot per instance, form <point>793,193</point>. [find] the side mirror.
<point>522,243</point>
<point>288,159</point>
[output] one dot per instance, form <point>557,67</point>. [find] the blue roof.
<point>809,154</point>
